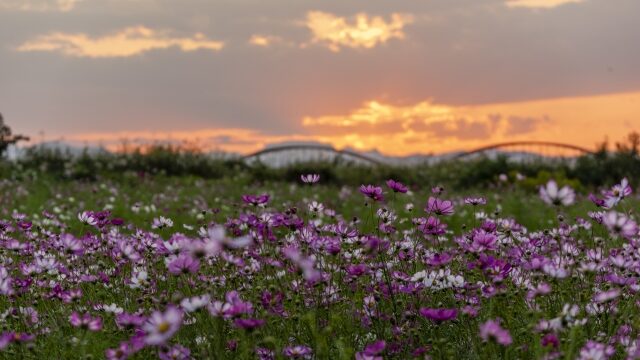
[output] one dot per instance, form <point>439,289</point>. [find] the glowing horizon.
<point>485,124</point>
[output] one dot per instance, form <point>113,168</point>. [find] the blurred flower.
<point>397,186</point>
<point>373,192</point>
<point>552,196</point>
<point>297,352</point>
<point>161,326</point>
<point>85,321</point>
<point>438,315</point>
<point>491,330</point>
<point>310,178</point>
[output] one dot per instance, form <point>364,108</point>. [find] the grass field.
<point>180,268</point>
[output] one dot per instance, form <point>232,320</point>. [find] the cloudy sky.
<point>401,76</point>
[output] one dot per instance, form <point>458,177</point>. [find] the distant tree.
<point>632,146</point>
<point>7,138</point>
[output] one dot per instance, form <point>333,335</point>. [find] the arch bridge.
<point>283,155</point>
<point>545,149</point>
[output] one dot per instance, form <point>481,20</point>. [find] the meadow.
<point>143,266</point>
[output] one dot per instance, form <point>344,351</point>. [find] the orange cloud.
<point>127,42</point>
<point>39,5</point>
<point>545,4</point>
<point>426,127</point>
<point>363,32</point>
<point>264,40</point>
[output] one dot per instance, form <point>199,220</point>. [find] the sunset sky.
<point>401,76</point>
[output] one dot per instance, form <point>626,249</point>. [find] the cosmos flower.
<point>217,234</point>
<point>184,264</point>
<point>372,351</point>
<point>122,352</point>
<point>192,304</point>
<point>256,200</point>
<point>85,321</point>
<point>297,352</point>
<point>372,192</point>
<point>161,223</point>
<point>438,315</point>
<point>248,324</point>
<point>310,178</point>
<point>87,217</point>
<point>617,193</point>
<point>475,201</point>
<point>130,321</point>
<point>552,196</point>
<point>593,350</point>
<point>439,207</point>
<point>433,226</point>
<point>492,331</point>
<point>620,224</point>
<point>161,326</point>
<point>176,352</point>
<point>397,186</point>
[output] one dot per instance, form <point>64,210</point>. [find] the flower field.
<point>182,268</point>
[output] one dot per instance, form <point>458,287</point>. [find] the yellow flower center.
<point>163,327</point>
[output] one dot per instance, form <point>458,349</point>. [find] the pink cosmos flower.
<point>161,326</point>
<point>620,224</point>
<point>297,352</point>
<point>552,196</point>
<point>397,186</point>
<point>310,178</point>
<point>256,200</point>
<point>617,193</point>
<point>176,352</point>
<point>491,330</point>
<point>122,352</point>
<point>373,192</point>
<point>86,321</point>
<point>596,351</point>
<point>184,264</point>
<point>217,235</point>
<point>475,201</point>
<point>439,206</point>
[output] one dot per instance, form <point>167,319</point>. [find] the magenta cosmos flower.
<point>372,351</point>
<point>256,200</point>
<point>160,326</point>
<point>439,206</point>
<point>373,192</point>
<point>491,330</point>
<point>551,195</point>
<point>438,315</point>
<point>397,186</point>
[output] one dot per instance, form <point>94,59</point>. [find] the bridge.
<point>547,149</point>
<point>283,155</point>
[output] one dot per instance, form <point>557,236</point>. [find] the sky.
<point>401,77</point>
